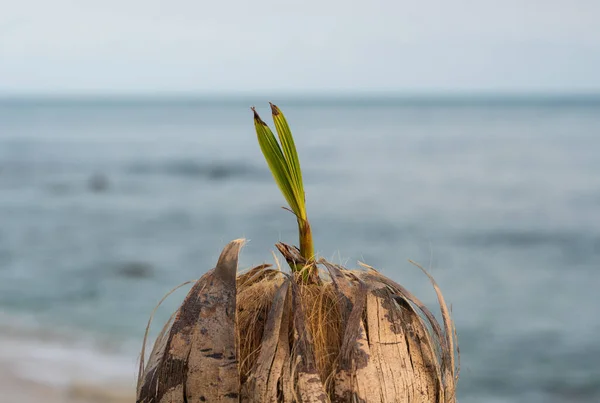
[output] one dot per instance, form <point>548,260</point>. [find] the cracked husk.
<point>267,336</point>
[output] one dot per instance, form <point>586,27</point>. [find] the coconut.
<point>317,333</point>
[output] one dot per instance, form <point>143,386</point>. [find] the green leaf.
<point>276,161</point>
<point>291,158</point>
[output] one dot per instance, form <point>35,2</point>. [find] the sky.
<point>288,46</point>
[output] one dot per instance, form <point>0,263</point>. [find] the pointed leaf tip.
<point>274,109</point>
<point>257,117</point>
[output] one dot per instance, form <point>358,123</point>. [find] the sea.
<point>106,204</point>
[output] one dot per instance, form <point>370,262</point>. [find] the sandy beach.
<point>16,389</point>
<point>43,367</point>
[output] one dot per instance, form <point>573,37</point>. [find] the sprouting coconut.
<point>318,333</point>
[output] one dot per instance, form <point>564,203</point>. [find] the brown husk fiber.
<point>268,336</point>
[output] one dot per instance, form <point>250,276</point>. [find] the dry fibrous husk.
<point>267,336</point>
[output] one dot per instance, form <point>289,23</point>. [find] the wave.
<point>217,171</point>
<point>573,247</point>
<point>527,238</point>
<point>214,170</point>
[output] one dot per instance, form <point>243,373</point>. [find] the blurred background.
<point>463,135</point>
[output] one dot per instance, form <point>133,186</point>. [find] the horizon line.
<point>299,93</point>
<point>319,97</point>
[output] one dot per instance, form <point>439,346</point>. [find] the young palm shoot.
<point>284,164</point>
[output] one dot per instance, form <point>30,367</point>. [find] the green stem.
<point>306,242</point>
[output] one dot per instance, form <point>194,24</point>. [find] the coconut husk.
<point>268,336</point>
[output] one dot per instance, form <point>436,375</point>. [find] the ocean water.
<point>105,205</point>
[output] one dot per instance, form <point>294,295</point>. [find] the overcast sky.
<point>200,46</point>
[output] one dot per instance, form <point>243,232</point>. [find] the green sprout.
<point>284,164</point>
